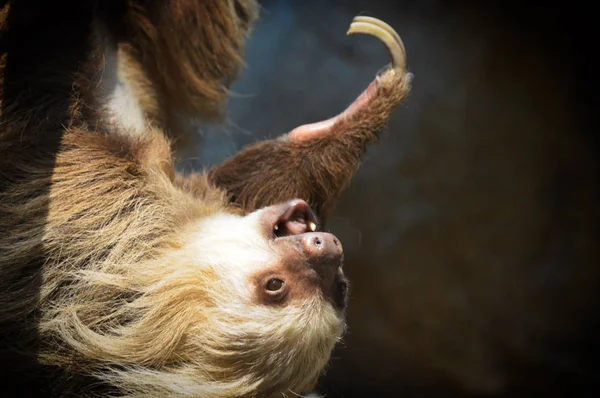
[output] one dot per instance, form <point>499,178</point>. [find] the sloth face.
<point>274,257</point>
<point>263,294</point>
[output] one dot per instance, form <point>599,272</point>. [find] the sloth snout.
<point>324,254</point>
<point>293,228</point>
<point>293,222</point>
<point>322,246</point>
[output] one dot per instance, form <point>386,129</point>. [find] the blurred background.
<point>471,232</point>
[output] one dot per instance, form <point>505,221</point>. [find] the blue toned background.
<point>471,231</point>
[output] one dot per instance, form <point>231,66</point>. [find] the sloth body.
<point>121,276</point>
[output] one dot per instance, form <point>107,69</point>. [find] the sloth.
<point>123,277</point>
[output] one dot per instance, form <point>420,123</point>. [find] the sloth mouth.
<point>295,219</point>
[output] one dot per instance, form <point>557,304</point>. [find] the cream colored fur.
<point>136,278</point>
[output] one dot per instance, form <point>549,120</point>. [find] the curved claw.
<point>383,25</point>
<point>385,33</point>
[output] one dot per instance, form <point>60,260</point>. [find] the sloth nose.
<point>324,254</point>
<point>323,249</point>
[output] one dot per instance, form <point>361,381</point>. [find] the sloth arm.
<point>316,162</point>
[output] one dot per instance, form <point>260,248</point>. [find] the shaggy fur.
<point>120,276</point>
<point>326,163</point>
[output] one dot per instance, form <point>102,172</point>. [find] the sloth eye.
<point>274,285</point>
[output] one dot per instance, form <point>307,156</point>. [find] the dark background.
<point>471,231</point>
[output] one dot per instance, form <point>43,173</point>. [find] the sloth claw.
<point>382,95</point>
<point>385,33</point>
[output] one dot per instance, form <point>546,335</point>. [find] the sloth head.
<point>275,259</point>
<point>277,293</point>
<point>238,305</point>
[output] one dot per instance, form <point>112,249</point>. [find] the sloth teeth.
<point>385,33</point>
<point>312,226</point>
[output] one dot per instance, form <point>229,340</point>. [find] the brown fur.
<point>326,163</point>
<point>189,64</point>
<point>102,288</point>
